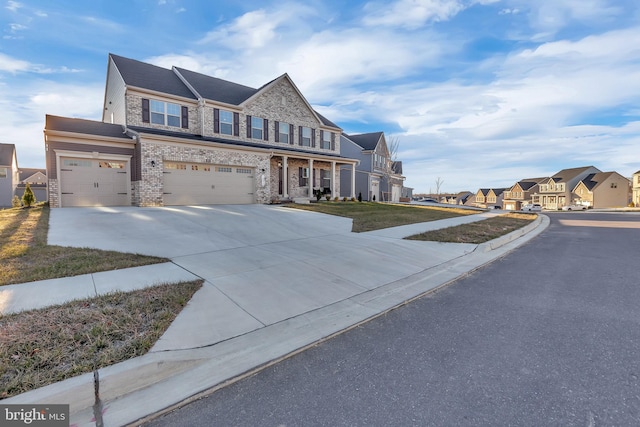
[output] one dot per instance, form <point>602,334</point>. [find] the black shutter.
<point>248,126</point>
<point>145,110</point>
<point>276,125</point>
<point>236,124</point>
<point>291,134</point>
<point>299,135</point>
<point>321,138</point>
<point>265,129</point>
<point>216,120</point>
<point>333,141</point>
<point>300,178</point>
<point>313,138</point>
<point>185,117</point>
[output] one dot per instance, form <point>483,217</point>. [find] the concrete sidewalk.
<point>265,297</point>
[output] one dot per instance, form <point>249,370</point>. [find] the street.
<point>549,335</point>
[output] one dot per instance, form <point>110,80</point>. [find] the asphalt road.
<point>549,335</point>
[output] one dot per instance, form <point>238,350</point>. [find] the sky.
<point>477,93</point>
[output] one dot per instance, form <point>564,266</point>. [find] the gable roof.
<point>498,191</point>
<point>217,89</point>
<point>90,127</point>
<point>368,141</point>
<point>568,174</point>
<point>591,181</point>
<point>26,173</point>
<point>7,152</point>
<point>484,191</point>
<point>396,167</point>
<point>146,76</point>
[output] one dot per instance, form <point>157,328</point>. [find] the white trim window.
<point>257,127</point>
<point>226,122</point>
<point>4,172</point>
<point>326,140</point>
<point>165,113</point>
<point>283,132</point>
<point>306,136</point>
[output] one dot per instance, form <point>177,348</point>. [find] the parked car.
<point>532,207</point>
<point>574,208</point>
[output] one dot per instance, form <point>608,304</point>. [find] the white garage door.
<point>90,182</point>
<point>205,184</point>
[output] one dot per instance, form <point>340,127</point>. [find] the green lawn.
<point>369,216</point>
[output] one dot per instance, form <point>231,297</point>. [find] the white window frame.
<point>283,136</point>
<point>226,122</point>
<point>257,125</point>
<point>165,113</point>
<point>306,137</point>
<point>326,140</point>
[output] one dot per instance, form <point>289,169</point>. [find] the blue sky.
<point>478,93</point>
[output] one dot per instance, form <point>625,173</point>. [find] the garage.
<point>93,182</point>
<point>207,184</point>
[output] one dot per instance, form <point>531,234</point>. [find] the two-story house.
<point>520,193</point>
<point>8,174</point>
<point>635,189</point>
<point>602,190</point>
<point>481,197</point>
<point>555,192</point>
<point>177,137</point>
<point>376,176</point>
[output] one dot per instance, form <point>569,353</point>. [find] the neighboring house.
<point>555,192</point>
<point>602,190</point>
<point>481,197</point>
<point>376,176</point>
<point>37,180</point>
<point>459,199</point>
<point>635,188</point>
<point>520,193</point>
<point>494,198</point>
<point>177,137</point>
<point>8,174</point>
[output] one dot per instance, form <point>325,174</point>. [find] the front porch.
<point>296,177</point>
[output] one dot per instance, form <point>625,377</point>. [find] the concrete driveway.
<point>262,264</point>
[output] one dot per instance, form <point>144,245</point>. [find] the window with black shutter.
<point>145,110</point>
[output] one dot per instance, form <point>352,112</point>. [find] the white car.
<point>574,208</point>
<point>532,207</point>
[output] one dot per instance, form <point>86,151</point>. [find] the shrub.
<point>335,199</point>
<point>328,197</point>
<point>28,198</point>
<point>374,197</point>
<point>15,202</point>
<point>353,199</point>
<point>344,199</point>
<point>359,197</point>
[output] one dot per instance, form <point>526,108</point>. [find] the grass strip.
<point>44,346</point>
<point>478,232</point>
<point>368,216</point>
<point>25,255</point>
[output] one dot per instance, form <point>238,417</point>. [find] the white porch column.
<point>311,178</point>
<point>353,180</point>
<point>333,179</point>
<point>285,177</point>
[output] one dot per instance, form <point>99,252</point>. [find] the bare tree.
<point>392,156</point>
<point>439,183</point>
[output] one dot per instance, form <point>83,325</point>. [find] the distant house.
<point>481,197</point>
<point>602,190</point>
<point>494,198</point>
<point>376,176</point>
<point>635,197</point>
<point>8,174</point>
<point>556,191</point>
<point>520,193</point>
<point>37,180</point>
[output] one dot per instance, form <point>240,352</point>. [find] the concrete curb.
<point>507,238</point>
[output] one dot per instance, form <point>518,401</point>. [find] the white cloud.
<point>410,13</point>
<point>13,65</point>
<point>13,6</point>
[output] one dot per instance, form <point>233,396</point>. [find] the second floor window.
<point>226,122</point>
<point>305,136</point>
<point>165,113</point>
<point>326,140</point>
<point>257,128</point>
<point>282,133</point>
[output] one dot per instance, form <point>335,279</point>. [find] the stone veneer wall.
<point>134,115</point>
<point>53,193</point>
<point>149,191</point>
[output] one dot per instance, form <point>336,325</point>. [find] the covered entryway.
<point>93,182</point>
<point>207,184</point>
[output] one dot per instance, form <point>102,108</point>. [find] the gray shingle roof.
<point>6,154</point>
<point>568,174</point>
<point>91,127</point>
<point>217,89</point>
<point>147,76</point>
<point>367,141</point>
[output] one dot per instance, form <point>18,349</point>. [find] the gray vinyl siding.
<point>6,188</point>
<point>114,99</point>
<point>84,148</point>
<point>362,183</point>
